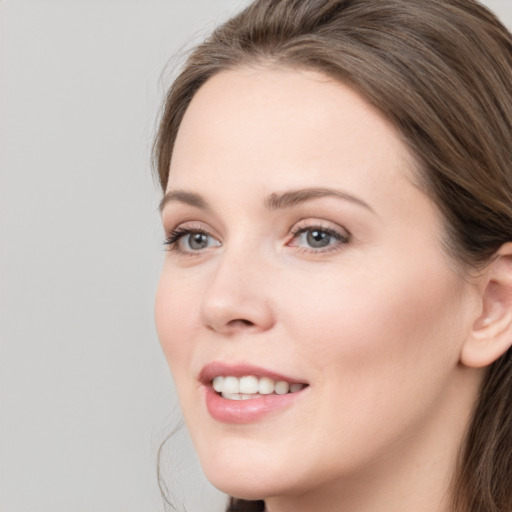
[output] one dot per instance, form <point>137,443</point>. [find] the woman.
<point>336,302</point>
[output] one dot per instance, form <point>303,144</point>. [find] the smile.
<point>243,393</point>
<point>249,387</point>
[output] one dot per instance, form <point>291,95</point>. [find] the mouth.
<point>243,393</point>
<point>250,387</point>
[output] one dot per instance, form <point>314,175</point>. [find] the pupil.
<point>317,238</point>
<point>198,241</point>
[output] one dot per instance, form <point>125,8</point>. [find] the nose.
<point>236,299</point>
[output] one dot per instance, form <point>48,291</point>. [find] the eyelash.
<point>339,238</point>
<point>171,242</point>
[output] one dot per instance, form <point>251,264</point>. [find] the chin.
<point>245,487</point>
<point>246,478</point>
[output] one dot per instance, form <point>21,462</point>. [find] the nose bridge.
<point>236,297</point>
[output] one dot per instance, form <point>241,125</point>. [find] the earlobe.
<point>491,333</point>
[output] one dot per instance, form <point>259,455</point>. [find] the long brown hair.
<point>441,71</point>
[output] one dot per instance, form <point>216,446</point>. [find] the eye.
<point>190,240</point>
<point>318,238</point>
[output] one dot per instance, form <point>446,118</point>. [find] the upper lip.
<point>217,368</point>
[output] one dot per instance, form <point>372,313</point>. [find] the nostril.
<point>241,321</point>
<point>235,324</point>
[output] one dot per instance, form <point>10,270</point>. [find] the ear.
<point>491,334</point>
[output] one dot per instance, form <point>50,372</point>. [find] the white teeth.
<point>232,396</point>
<point>249,386</point>
<point>266,386</point>
<point>282,387</point>
<point>217,383</point>
<point>238,396</point>
<point>231,385</point>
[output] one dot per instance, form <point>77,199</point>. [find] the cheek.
<point>380,350</point>
<point>175,311</point>
<point>374,332</point>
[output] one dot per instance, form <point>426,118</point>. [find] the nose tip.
<point>229,315</point>
<point>232,303</point>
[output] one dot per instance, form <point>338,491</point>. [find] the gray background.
<point>85,395</point>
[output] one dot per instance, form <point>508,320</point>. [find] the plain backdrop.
<point>85,394</point>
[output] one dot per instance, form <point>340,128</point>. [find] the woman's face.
<point>301,251</point>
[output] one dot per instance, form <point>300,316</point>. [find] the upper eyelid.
<point>189,225</point>
<point>305,224</point>
<point>330,231</point>
<point>322,224</point>
<point>183,231</point>
<point>302,224</point>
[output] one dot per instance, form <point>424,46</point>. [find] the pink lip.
<point>243,411</point>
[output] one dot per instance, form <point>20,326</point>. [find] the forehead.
<point>253,118</point>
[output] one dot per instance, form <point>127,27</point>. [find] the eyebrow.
<point>182,196</point>
<point>294,197</point>
<point>274,201</point>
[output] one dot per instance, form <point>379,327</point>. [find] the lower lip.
<point>245,411</point>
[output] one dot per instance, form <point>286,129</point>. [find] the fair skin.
<point>347,290</point>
